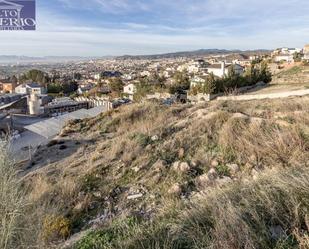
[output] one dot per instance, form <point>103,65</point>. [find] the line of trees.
<point>257,72</point>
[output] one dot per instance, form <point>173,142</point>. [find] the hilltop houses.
<point>306,52</point>
<point>7,86</point>
<point>285,54</point>
<point>196,81</point>
<point>130,90</point>
<point>222,69</point>
<point>30,88</point>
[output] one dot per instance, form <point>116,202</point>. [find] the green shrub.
<point>110,237</point>
<point>223,170</point>
<point>143,139</point>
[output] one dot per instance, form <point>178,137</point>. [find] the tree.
<point>14,79</point>
<point>116,85</point>
<point>181,82</point>
<point>209,86</point>
<point>297,57</point>
<point>265,74</point>
<point>77,76</point>
<point>35,75</point>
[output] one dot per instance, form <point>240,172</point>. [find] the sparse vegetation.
<point>12,203</point>
<point>258,72</point>
<point>215,175</point>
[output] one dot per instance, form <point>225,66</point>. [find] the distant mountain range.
<point>7,59</point>
<point>196,53</point>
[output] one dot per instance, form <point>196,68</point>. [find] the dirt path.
<point>267,95</point>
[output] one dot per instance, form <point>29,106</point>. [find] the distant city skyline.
<point>136,27</point>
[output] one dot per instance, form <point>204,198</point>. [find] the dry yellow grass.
<point>133,149</point>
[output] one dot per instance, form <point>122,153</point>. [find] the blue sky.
<point>117,27</point>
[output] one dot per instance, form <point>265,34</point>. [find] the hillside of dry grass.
<point>216,175</point>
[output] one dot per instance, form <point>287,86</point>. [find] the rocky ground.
<point>149,161</point>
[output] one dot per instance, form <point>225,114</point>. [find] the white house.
<point>195,81</point>
<point>97,76</point>
<point>284,57</point>
<point>306,52</point>
<point>30,88</point>
<point>222,69</point>
<point>130,90</point>
<point>197,66</point>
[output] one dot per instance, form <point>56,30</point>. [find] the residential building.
<point>85,88</point>
<point>30,88</point>
<point>197,66</point>
<point>222,69</point>
<point>284,57</point>
<point>130,90</point>
<point>7,86</point>
<point>196,81</point>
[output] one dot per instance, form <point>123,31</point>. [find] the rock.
<point>159,165</point>
<point>148,147</point>
<point>254,174</point>
<point>214,163</point>
<point>203,180</point>
<point>181,153</point>
<point>175,166</point>
<point>256,121</point>
<point>277,232</point>
<point>156,178</point>
<point>194,163</point>
<point>233,168</point>
<point>184,167</point>
<point>175,190</point>
<point>136,169</point>
<point>79,206</point>
<point>212,174</point>
<point>260,83</point>
<point>135,196</point>
<point>224,180</point>
<point>155,138</point>
<point>240,115</point>
<point>97,194</point>
<point>252,159</point>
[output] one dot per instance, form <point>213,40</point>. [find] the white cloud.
<point>180,25</point>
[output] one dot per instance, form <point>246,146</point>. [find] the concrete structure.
<point>159,96</point>
<point>62,106</point>
<point>50,128</point>
<point>96,101</point>
<point>8,98</point>
<point>34,104</point>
